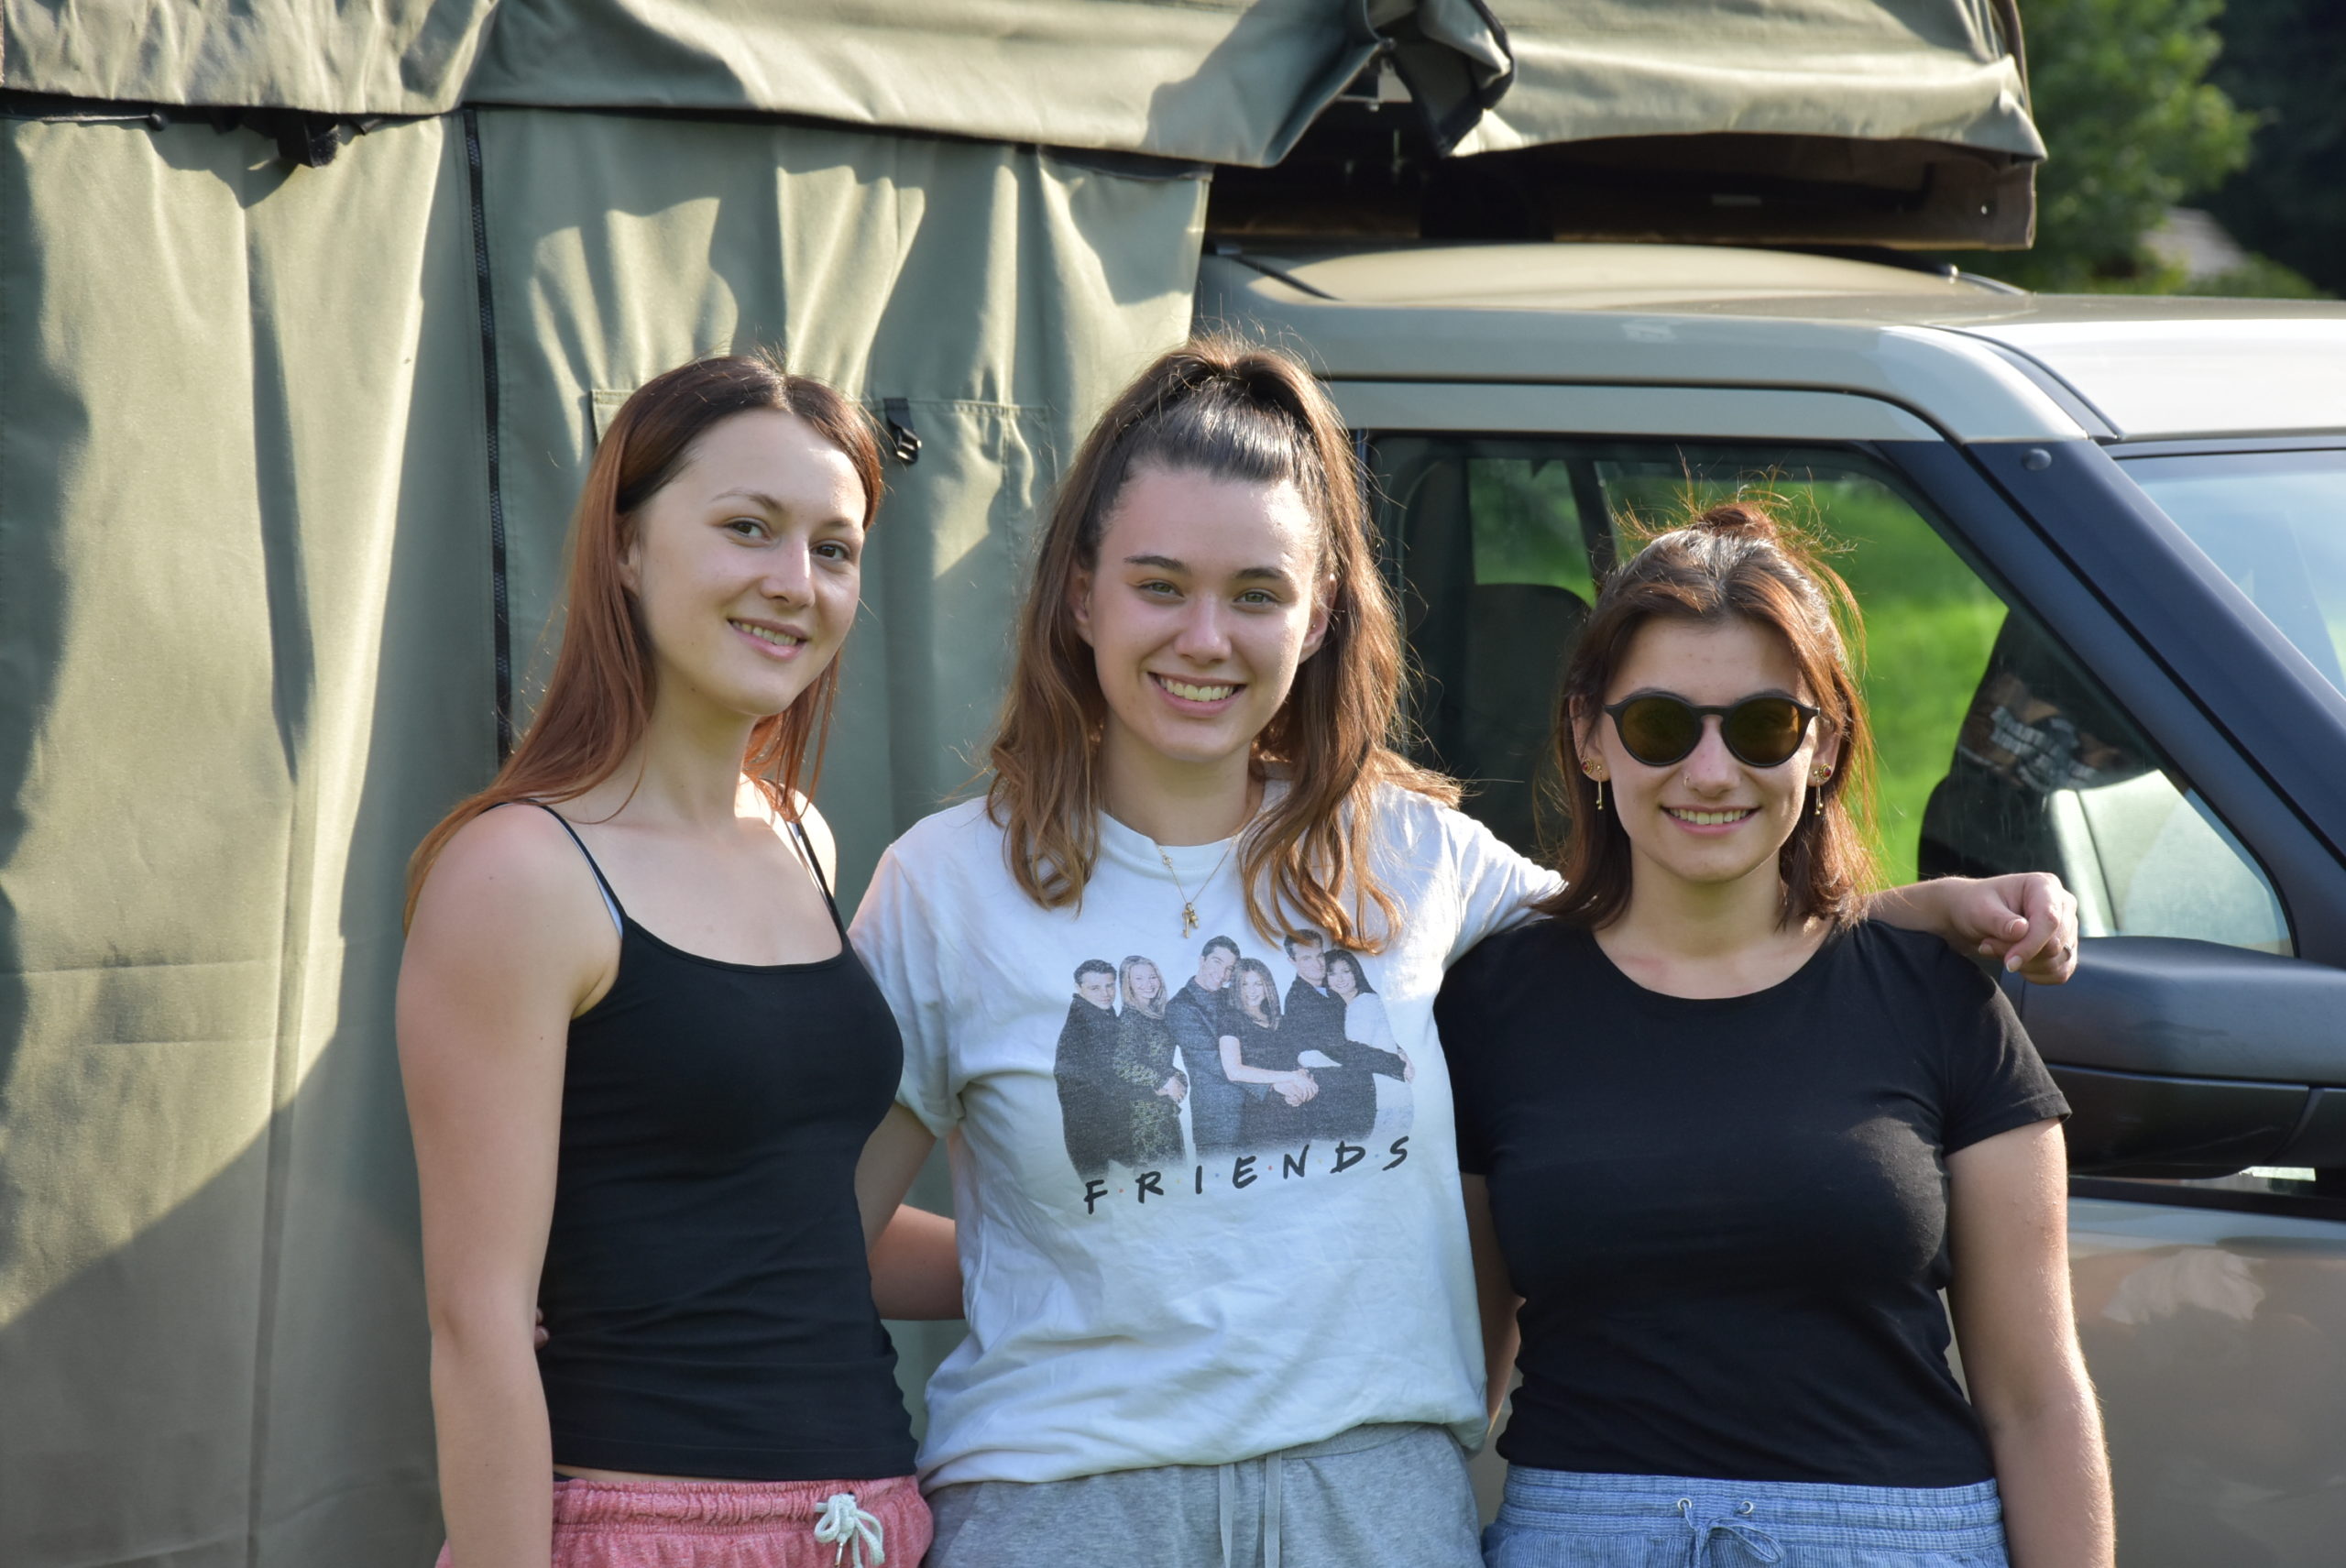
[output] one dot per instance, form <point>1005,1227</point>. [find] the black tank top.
<point>707,1295</point>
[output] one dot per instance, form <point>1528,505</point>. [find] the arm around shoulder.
<point>2025,920</point>
<point>1497,883</point>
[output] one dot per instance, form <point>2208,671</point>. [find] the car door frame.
<point>2055,527</point>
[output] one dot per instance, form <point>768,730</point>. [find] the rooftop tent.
<point>1898,123</point>
<point>1216,81</point>
<point>308,315</point>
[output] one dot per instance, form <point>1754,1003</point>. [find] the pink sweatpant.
<point>737,1524</point>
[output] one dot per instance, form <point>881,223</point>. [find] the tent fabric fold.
<point>1226,81</point>
<point>1871,70</point>
<point>241,617</point>
<point>247,621</point>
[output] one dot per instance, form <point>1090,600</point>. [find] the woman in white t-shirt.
<point>1270,1352</point>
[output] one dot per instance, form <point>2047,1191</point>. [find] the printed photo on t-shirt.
<point>1157,1074</point>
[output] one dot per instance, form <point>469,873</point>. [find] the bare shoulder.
<point>512,887</point>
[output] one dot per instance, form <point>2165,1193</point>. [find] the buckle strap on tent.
<point>904,440</point>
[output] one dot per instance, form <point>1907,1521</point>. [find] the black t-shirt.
<point>1727,1218</point>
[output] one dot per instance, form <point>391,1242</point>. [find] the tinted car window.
<point>2274,523</point>
<point>1996,752</point>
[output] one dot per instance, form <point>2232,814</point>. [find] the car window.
<point>2274,523</point>
<point>1997,752</point>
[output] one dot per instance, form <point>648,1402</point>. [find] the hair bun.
<point>1736,518</point>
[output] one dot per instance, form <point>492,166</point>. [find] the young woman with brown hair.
<point>1728,1139</point>
<point>640,1059</point>
<point>1272,1352</point>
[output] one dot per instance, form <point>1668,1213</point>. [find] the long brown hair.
<point>1732,561</point>
<point>599,698</point>
<point>1270,1016</point>
<point>1232,411</point>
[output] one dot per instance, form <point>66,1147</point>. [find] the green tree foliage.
<point>2131,125</point>
<point>2286,60</point>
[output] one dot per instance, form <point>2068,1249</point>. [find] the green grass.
<point>1526,525</point>
<point>1929,624</point>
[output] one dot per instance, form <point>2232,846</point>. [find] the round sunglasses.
<point>1760,731</point>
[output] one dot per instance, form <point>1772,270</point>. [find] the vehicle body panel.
<point>2214,1340</point>
<point>1733,412</point>
<point>2213,1311</point>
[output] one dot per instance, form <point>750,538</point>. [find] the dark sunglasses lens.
<point>1659,730</point>
<point>1763,731</point>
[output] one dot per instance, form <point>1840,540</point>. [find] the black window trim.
<point>1947,487</point>
<point>2259,733</point>
<point>2225,446</point>
<point>1961,499</point>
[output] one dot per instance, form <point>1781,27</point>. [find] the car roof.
<point>1978,359</point>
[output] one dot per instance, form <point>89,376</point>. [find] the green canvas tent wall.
<point>308,315</point>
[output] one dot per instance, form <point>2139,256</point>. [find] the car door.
<point>2060,680</point>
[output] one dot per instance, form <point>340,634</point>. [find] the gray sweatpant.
<point>1376,1496</point>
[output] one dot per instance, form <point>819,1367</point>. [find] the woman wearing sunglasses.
<point>1263,1353</point>
<point>1726,1189</point>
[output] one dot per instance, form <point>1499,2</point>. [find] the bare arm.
<point>1494,1293</point>
<point>509,941</point>
<point>2008,1234</point>
<point>915,1266</point>
<point>2027,921</point>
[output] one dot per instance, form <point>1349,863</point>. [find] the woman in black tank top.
<point>642,1060</point>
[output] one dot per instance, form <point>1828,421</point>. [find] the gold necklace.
<point>1188,908</point>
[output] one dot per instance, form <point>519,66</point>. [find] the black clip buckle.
<point>898,412</point>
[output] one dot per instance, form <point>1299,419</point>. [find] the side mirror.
<point>2183,1058</point>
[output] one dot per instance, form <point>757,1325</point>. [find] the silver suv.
<point>2101,542</point>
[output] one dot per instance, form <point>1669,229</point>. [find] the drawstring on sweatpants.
<point>1226,1506</point>
<point>1704,1532</point>
<point>844,1523</point>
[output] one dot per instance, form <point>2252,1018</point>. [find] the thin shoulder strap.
<point>610,899</point>
<point>806,848</point>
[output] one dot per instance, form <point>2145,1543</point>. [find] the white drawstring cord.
<point>843,1522</point>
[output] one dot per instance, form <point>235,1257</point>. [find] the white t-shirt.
<point>1244,1273</point>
